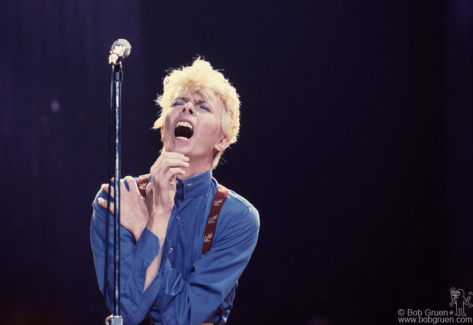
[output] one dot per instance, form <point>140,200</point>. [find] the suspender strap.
<point>142,183</point>
<point>209,233</point>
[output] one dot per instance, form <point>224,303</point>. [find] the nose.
<point>188,107</point>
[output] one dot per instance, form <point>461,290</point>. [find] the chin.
<point>181,148</point>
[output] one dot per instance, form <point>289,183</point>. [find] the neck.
<point>195,168</point>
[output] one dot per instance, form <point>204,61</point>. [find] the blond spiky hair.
<point>201,78</point>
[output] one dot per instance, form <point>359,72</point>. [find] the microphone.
<point>121,48</point>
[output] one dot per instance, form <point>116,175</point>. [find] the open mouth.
<point>183,130</point>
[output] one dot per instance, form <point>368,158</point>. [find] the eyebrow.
<point>186,99</point>
<point>181,98</point>
<point>200,101</point>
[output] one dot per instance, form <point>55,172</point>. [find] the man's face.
<point>192,126</point>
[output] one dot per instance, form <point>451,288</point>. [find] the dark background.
<point>356,147</point>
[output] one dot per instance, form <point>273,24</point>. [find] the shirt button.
<point>170,251</point>
<point>178,217</point>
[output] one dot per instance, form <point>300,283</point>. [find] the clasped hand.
<point>136,211</point>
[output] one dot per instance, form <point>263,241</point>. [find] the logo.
<point>459,300</point>
<point>213,219</point>
<point>143,186</point>
<point>208,237</point>
<point>221,189</point>
<point>217,203</point>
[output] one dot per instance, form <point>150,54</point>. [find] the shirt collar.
<point>193,187</point>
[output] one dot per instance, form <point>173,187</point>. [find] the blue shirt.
<point>189,288</point>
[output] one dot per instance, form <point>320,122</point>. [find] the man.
<point>163,271</point>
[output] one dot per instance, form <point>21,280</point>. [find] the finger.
<point>166,172</point>
<point>169,177</point>
<point>149,188</point>
<point>168,155</point>
<point>123,186</point>
<point>105,188</point>
<point>161,168</point>
<point>177,155</point>
<point>103,203</point>
<point>176,162</point>
<point>172,173</point>
<point>132,184</point>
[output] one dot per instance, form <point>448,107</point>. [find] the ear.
<point>162,133</point>
<point>223,143</point>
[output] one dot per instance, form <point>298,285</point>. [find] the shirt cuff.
<point>147,247</point>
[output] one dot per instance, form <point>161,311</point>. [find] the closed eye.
<point>180,101</point>
<point>205,107</point>
<point>177,103</point>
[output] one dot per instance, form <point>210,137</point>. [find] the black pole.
<point>118,78</point>
<point>114,164</point>
<point>120,50</point>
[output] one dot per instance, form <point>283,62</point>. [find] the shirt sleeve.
<point>135,257</point>
<point>194,298</point>
<point>182,299</point>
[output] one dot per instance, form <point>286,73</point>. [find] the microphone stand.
<point>120,50</point>
<point>115,117</point>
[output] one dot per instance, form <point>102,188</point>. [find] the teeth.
<point>183,123</point>
<point>182,138</point>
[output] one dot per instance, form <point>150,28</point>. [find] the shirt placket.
<point>174,231</point>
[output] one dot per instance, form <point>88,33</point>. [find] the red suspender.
<point>211,225</point>
<point>142,183</point>
<point>209,233</point>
